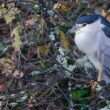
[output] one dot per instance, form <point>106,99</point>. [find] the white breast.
<point>86,42</point>
<point>86,39</point>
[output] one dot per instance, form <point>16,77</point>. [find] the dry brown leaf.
<point>18,74</point>
<point>57,6</point>
<point>106,14</point>
<point>3,86</point>
<point>64,41</point>
<point>9,66</point>
<point>30,22</point>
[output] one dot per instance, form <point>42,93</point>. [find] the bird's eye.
<point>84,24</point>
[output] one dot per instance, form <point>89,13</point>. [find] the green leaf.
<point>79,93</point>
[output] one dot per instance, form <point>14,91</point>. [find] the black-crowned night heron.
<point>92,36</point>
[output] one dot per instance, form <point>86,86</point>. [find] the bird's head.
<point>86,23</point>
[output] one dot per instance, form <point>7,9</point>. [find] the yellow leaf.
<point>64,40</point>
<point>64,7</point>
<point>42,50</point>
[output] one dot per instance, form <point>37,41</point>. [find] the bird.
<point>92,37</point>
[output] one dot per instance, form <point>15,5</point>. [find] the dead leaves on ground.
<point>9,68</point>
<point>10,16</point>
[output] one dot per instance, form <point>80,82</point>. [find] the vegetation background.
<point>40,66</point>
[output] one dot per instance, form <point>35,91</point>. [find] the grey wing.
<point>103,55</point>
<point>106,68</point>
<point>104,40</point>
<point>106,30</point>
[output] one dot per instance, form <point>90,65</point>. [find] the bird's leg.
<point>94,84</point>
<point>99,75</point>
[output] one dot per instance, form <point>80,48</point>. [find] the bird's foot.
<point>93,85</point>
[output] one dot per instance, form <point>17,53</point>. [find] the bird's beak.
<point>74,29</point>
